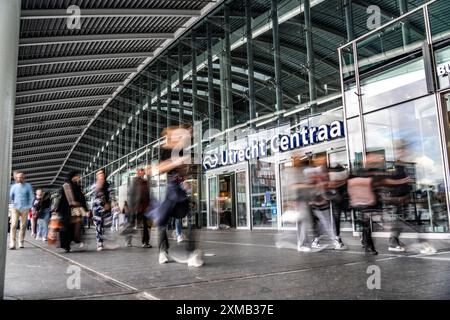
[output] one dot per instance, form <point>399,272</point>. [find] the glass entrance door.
<point>213,209</point>
<point>242,193</point>
<point>228,198</point>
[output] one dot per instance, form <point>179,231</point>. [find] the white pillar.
<point>9,46</point>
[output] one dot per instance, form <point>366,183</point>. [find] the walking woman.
<point>71,207</point>
<point>101,206</point>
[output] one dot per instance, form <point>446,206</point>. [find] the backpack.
<point>361,192</point>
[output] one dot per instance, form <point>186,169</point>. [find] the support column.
<point>194,79</point>
<point>227,63</point>
<point>158,100</point>
<point>250,62</point>
<point>149,109</point>
<point>406,30</point>
<point>276,56</point>
<point>180,83</point>
<point>169,90</point>
<point>310,55</point>
<point>210,75</point>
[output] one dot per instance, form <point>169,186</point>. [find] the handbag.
<point>76,209</point>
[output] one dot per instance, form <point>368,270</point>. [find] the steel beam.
<point>41,148</point>
<point>210,75</point>
<point>38,41</point>
<point>92,57</point>
<point>194,78</point>
<point>310,55</point>
<point>88,73</point>
<point>250,62</point>
<point>42,123</point>
<point>73,88</point>
<point>56,112</point>
<point>276,56</point>
<point>30,14</point>
<point>180,82</point>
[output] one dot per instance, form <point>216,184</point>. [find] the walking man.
<point>21,195</point>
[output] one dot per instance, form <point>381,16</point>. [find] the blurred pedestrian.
<point>71,208</point>
<point>21,195</point>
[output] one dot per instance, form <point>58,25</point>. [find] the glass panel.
<point>288,194</point>
<point>391,42</point>
<point>264,197</point>
<point>355,142</point>
<point>443,67</point>
<point>241,199</point>
<point>440,24</point>
<point>407,135</point>
<point>213,197</point>
<point>351,99</point>
<point>400,83</point>
<point>225,201</point>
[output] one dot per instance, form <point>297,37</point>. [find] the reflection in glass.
<point>398,84</point>
<point>241,199</point>
<point>213,204</point>
<point>413,123</point>
<point>263,197</point>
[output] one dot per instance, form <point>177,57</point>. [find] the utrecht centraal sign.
<point>307,136</point>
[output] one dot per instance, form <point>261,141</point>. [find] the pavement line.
<point>433,258</point>
<point>271,274</point>
<point>420,255</point>
<point>270,246</point>
<point>117,282</point>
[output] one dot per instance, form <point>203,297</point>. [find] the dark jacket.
<point>63,207</point>
<point>138,196</point>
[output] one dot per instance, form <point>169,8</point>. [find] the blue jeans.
<point>178,226</point>
<point>42,224</point>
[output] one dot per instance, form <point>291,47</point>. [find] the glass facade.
<point>238,79</point>
<point>396,115</point>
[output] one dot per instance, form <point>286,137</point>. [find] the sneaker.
<point>304,249</point>
<point>428,250</point>
<point>33,235</point>
<point>370,251</point>
<point>146,245</point>
<point>12,248</point>
<point>315,244</point>
<point>180,239</point>
<point>397,249</point>
<point>339,245</point>
<point>163,258</point>
<point>99,248</point>
<point>38,238</point>
<point>81,245</point>
<point>195,260</point>
<point>21,245</point>
<point>44,239</point>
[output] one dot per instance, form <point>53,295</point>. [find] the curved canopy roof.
<point>68,72</point>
